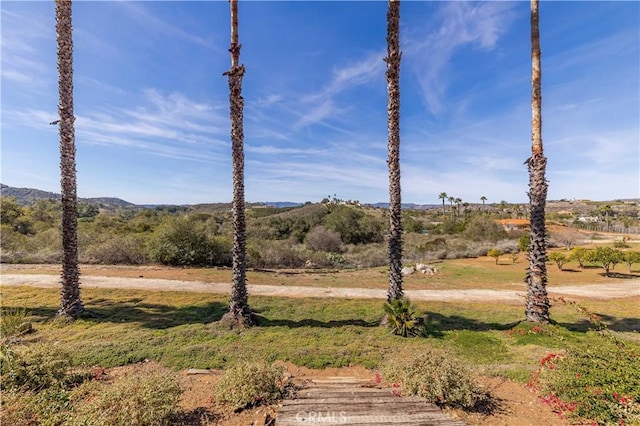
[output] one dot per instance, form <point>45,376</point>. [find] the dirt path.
<point>614,290</point>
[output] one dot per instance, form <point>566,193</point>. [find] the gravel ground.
<point>629,288</point>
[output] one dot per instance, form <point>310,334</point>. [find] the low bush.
<point>33,367</point>
<point>620,244</point>
<point>43,247</point>
<point>482,228</point>
<point>248,384</point>
<point>434,374</point>
<point>276,253</point>
<point>323,239</point>
<point>508,246</point>
<point>369,256</point>
<point>182,241</point>
<point>146,399</point>
<point>601,384</point>
<point>13,322</point>
<point>354,226</point>
<point>120,249</point>
<point>48,407</point>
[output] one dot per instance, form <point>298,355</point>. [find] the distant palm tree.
<point>443,197</point>
<point>239,314</point>
<point>537,304</point>
<point>606,211</point>
<point>393,58</point>
<point>451,200</point>
<point>458,201</point>
<point>483,199</point>
<point>70,304</point>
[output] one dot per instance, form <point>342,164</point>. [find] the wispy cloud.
<point>592,54</point>
<point>170,125</point>
<point>321,106</point>
<point>273,150</point>
<point>23,61</point>
<point>147,19</point>
<point>367,69</point>
<point>461,23</point>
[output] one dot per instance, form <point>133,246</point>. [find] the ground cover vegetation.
<point>54,374</point>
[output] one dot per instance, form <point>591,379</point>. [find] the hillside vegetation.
<point>315,235</point>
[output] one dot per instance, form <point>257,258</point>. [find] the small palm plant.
<point>401,318</point>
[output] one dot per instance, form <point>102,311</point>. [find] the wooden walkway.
<point>350,401</point>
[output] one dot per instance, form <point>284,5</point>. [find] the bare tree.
<point>567,237</point>
<point>70,303</point>
<point>537,305</point>
<point>239,314</point>
<point>393,58</point>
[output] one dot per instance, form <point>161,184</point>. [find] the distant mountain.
<point>110,201</point>
<point>408,206</point>
<point>28,196</point>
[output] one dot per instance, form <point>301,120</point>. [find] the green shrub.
<point>146,399</point>
<point>248,384</point>
<point>482,228</point>
<point>354,226</point>
<point>580,255</point>
<point>411,224</point>
<point>181,241</point>
<point>620,244</point>
<point>599,383</point>
<point>524,242</point>
<point>558,258</point>
<point>434,374</point>
<point>401,318</point>
<point>495,253</point>
<point>33,367</point>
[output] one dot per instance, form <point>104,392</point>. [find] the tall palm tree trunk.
<point>71,304</point>
<point>239,313</point>
<point>537,306</point>
<point>393,58</point>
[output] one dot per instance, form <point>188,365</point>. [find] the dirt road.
<point>629,288</point>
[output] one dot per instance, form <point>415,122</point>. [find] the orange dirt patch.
<point>514,222</point>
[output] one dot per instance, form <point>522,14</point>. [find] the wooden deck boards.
<point>350,401</point>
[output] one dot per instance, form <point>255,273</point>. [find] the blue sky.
<point>152,104</point>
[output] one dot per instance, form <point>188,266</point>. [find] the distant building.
<point>589,219</point>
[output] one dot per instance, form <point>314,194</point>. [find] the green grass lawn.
<point>179,330</point>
